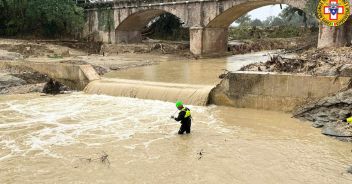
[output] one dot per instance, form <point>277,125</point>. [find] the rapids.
<point>59,139</point>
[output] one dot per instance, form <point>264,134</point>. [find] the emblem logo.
<point>333,12</point>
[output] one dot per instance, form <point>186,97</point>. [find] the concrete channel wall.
<point>74,76</point>
<point>280,92</point>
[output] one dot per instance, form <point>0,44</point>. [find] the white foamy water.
<point>36,124</point>
<point>60,139</point>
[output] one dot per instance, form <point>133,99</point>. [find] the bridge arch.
<point>232,13</point>
<point>129,30</point>
<point>211,39</point>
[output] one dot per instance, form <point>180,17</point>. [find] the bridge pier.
<point>208,41</point>
<point>128,36</point>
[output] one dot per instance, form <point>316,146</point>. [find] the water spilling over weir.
<point>189,94</point>
<point>172,79</point>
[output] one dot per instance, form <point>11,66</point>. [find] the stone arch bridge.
<point>208,20</point>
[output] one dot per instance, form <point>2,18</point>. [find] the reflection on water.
<point>46,139</point>
<point>176,70</point>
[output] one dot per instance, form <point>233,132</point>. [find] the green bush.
<point>40,17</point>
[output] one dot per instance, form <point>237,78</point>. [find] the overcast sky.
<point>264,12</point>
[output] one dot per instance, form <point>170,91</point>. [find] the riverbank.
<point>328,113</point>
<point>19,81</point>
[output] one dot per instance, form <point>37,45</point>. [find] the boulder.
<point>7,80</point>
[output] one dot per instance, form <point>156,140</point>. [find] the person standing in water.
<point>185,117</point>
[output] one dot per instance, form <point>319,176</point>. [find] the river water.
<point>89,138</point>
<point>172,79</point>
<point>179,70</point>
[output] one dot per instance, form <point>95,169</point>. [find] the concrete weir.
<point>258,90</point>
<point>74,76</point>
<point>273,91</point>
<point>189,94</point>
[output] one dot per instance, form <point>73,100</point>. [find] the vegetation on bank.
<point>291,22</point>
<point>54,18</point>
<point>247,33</point>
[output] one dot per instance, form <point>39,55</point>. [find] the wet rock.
<point>317,125</point>
<point>32,77</point>
<point>329,114</point>
<point>349,170</point>
<point>337,129</point>
<point>115,68</point>
<point>7,80</point>
<point>54,87</point>
<point>28,88</point>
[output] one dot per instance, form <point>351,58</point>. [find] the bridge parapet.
<point>121,4</point>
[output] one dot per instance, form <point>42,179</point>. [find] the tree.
<point>277,21</point>
<point>12,16</point>
<point>43,17</point>
<point>244,20</point>
<point>290,13</point>
<point>268,20</point>
<point>256,22</point>
<point>54,17</point>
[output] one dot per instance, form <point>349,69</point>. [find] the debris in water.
<point>200,154</point>
<point>103,158</point>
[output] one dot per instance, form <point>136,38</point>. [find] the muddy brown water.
<point>59,139</point>
<point>179,70</point>
<point>172,78</point>
<point>62,139</point>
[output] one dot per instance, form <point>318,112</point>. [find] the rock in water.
<point>349,170</point>
<point>54,87</point>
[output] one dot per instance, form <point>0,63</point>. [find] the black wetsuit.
<point>185,121</point>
